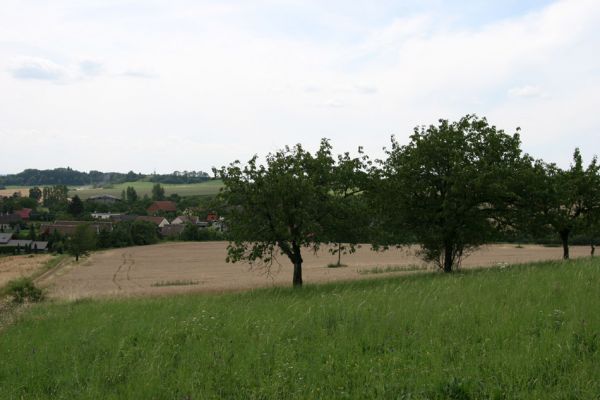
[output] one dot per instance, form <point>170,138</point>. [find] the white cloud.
<point>526,91</point>
<point>229,85</point>
<point>37,69</point>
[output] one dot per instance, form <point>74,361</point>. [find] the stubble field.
<point>181,267</point>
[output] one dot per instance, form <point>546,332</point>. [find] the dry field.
<point>12,267</point>
<point>9,192</point>
<point>200,267</point>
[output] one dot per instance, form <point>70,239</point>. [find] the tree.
<point>158,192</point>
<point>32,234</point>
<point>278,207</point>
<point>76,207</point>
<point>143,232</point>
<point>55,196</point>
<point>447,190</point>
<point>591,203</point>
<point>132,195</point>
<point>82,241</point>
<point>554,198</point>
<point>348,220</point>
<point>35,193</point>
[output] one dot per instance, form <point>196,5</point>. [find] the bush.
<point>24,289</point>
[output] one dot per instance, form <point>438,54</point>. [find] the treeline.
<point>453,187</point>
<point>183,177</point>
<point>68,176</point>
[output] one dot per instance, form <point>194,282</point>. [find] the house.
<point>68,228</point>
<point>212,217</point>
<point>5,238</point>
<point>162,206</point>
<point>159,221</point>
<point>185,219</point>
<point>105,215</point>
<point>8,221</point>
<point>172,231</point>
<point>24,213</point>
<point>104,199</point>
<point>33,245</point>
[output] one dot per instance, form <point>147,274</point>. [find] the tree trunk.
<point>448,258</point>
<point>76,256</point>
<point>593,248</point>
<point>564,237</point>
<point>297,281</point>
<point>339,254</point>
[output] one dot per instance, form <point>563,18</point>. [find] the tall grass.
<point>518,332</point>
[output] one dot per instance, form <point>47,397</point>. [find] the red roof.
<point>162,206</point>
<point>212,217</point>
<point>24,213</point>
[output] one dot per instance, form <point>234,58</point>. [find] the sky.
<point>187,85</point>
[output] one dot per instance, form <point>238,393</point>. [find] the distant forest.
<point>68,176</point>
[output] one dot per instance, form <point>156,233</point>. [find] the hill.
<point>527,332</point>
<point>71,177</point>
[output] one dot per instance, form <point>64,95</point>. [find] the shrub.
<point>24,289</point>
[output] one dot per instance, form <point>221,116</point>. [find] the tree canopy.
<point>448,189</point>
<point>280,207</point>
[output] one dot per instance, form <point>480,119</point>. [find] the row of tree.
<point>452,188</point>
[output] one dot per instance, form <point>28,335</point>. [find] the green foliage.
<point>131,194</point>
<point>35,193</point>
<point>23,289</point>
<point>158,192</point>
<point>32,234</point>
<point>55,197</point>
<point>82,241</point>
<point>448,188</point>
<point>527,332</point>
<point>279,207</point>
<point>143,233</point>
<point>76,207</point>
<point>559,201</point>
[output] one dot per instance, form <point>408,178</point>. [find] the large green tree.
<point>279,207</point>
<point>82,241</point>
<point>557,200</point>
<point>75,207</point>
<point>348,221</point>
<point>158,192</point>
<point>35,193</point>
<point>131,194</point>
<point>448,190</point>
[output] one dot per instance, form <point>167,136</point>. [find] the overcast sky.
<point>187,85</point>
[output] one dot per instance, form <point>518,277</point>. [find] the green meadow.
<point>522,332</point>
<point>145,188</point>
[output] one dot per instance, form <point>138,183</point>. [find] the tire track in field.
<point>114,279</point>
<point>130,266</point>
<point>123,272</point>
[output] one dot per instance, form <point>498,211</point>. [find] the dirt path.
<point>200,266</point>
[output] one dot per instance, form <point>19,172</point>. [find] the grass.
<point>205,188</point>
<point>527,332</point>
<point>48,265</point>
<point>391,268</point>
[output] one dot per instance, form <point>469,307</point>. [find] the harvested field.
<point>13,267</point>
<point>10,191</point>
<point>200,267</point>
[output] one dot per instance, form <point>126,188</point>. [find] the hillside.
<point>525,332</point>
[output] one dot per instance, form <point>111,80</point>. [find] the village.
<point>33,230</point>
